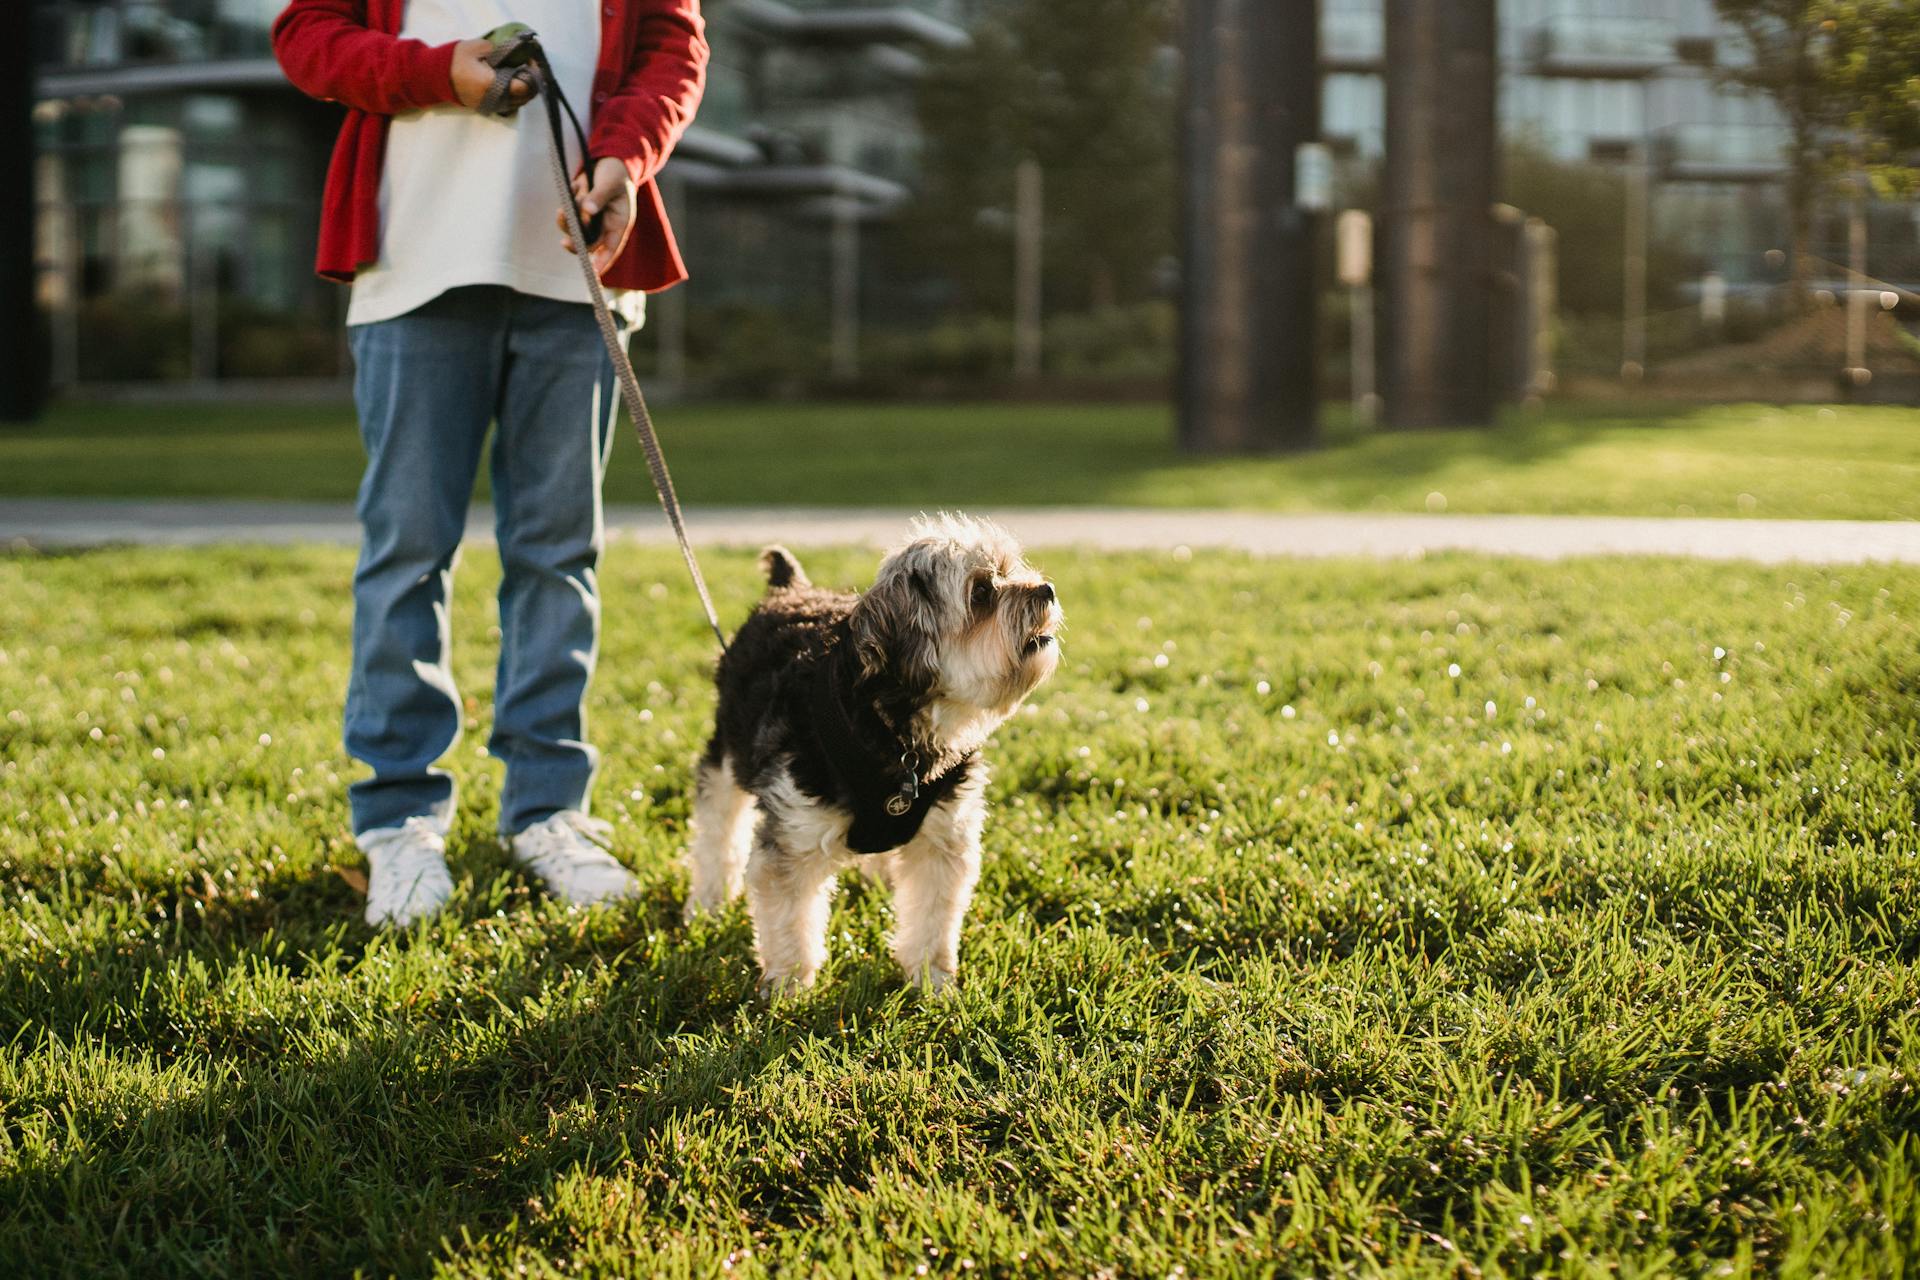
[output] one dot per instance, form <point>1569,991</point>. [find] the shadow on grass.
<point>285,1153</point>
<point>981,455</point>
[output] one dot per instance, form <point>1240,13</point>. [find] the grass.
<point>1725,460</point>
<point>1454,918</point>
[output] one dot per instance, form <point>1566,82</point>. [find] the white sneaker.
<point>407,876</point>
<point>569,853</point>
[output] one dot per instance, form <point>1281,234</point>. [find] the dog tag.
<point>902,800</point>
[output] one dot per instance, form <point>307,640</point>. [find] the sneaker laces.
<point>415,835</point>
<point>567,841</point>
<point>401,861</point>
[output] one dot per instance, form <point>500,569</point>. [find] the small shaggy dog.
<point>852,726</point>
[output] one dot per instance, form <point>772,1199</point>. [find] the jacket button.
<point>608,11</point>
<point>600,96</point>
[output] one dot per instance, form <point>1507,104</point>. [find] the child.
<point>467,310</point>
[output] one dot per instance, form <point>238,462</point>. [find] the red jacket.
<point>652,69</point>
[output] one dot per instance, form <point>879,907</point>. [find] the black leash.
<point>517,56</point>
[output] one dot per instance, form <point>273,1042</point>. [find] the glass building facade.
<point>1612,82</point>
<point>179,177</point>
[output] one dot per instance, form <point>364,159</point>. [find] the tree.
<point>1789,59</point>
<point>1086,88</point>
<point>1874,61</point>
<point>1586,204</point>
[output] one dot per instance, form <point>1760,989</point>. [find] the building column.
<point>23,371</point>
<point>1248,357</point>
<point>1437,212</point>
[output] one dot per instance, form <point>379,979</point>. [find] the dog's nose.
<point>1045,592</point>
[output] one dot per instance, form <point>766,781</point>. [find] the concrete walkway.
<point>61,523</point>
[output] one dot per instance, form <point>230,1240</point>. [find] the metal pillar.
<point>1248,369</point>
<point>1437,224</point>
<point>668,311</point>
<point>203,295</point>
<point>1860,302</point>
<point>1028,229</point>
<point>845,339</point>
<point>1633,301</point>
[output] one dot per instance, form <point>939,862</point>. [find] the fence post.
<point>1353,237</point>
<point>1543,267</point>
<point>1633,310</point>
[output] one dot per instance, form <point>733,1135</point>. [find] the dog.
<point>849,731</point>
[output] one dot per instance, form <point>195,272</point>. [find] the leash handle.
<point>513,45</point>
<point>616,349</point>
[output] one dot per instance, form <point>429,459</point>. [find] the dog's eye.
<point>982,592</point>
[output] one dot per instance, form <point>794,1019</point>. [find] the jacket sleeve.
<point>644,116</point>
<point>328,52</point>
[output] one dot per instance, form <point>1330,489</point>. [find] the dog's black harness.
<point>890,799</point>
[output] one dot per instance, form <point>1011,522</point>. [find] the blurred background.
<point>1415,210</point>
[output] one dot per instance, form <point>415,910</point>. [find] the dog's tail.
<point>782,569</point>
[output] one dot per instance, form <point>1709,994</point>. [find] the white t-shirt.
<point>468,199</point>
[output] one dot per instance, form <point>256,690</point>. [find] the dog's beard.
<point>959,626</point>
<point>993,663</point>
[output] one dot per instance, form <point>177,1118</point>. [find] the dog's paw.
<point>707,899</point>
<point>935,982</point>
<point>775,987</point>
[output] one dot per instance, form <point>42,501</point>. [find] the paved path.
<point>59,522</point>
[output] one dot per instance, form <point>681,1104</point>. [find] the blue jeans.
<point>427,385</point>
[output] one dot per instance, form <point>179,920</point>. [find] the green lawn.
<point>1728,460</point>
<point>1463,917</point>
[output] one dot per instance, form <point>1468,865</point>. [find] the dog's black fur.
<point>797,643</point>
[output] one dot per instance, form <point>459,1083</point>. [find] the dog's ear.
<point>895,630</point>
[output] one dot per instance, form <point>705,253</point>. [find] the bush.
<point>753,351</point>
<point>263,344</point>
<point>145,337</point>
<point>1119,343</point>
<point>133,337</point>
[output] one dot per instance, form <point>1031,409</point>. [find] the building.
<point>1622,83</point>
<point>179,175</point>
<point>179,179</point>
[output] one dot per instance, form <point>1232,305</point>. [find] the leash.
<point>518,57</point>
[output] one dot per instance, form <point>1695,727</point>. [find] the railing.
<point>133,32</point>
<point>1602,46</point>
<point>1722,151</point>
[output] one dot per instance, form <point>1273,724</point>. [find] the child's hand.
<point>472,76</point>
<point>612,190</point>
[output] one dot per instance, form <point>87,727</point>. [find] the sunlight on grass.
<point>1726,460</point>
<point>1366,918</point>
